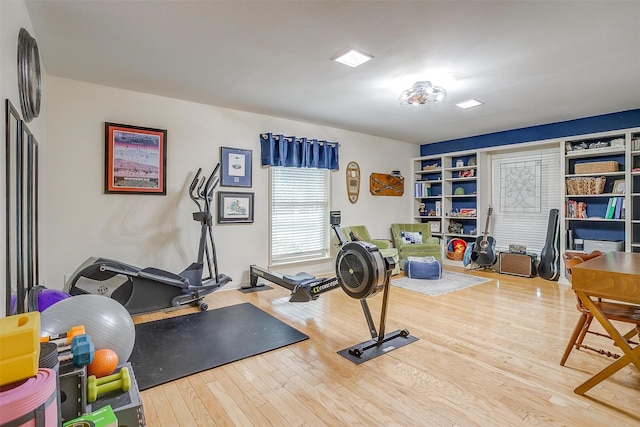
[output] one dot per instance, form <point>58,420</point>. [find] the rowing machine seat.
<point>300,279</point>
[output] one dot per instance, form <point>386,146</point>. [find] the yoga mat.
<point>30,402</point>
<point>168,349</point>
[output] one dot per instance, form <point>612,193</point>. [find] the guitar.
<point>484,249</point>
<point>549,266</point>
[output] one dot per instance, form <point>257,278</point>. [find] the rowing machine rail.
<point>304,288</point>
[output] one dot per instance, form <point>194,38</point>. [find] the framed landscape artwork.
<point>135,159</point>
<point>235,207</point>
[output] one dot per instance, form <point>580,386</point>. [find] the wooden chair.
<point>612,310</point>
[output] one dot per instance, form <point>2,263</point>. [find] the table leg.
<point>630,355</point>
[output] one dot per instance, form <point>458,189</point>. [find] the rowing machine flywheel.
<point>360,268</point>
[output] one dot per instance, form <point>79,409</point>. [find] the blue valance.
<point>291,151</point>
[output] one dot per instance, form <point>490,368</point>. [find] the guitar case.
<point>549,266</point>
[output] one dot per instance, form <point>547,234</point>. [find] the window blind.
<point>525,224</point>
<point>299,212</point>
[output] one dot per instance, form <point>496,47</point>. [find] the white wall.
<point>13,16</point>
<point>158,231</point>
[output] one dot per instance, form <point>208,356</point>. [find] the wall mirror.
<point>21,208</point>
<point>13,142</point>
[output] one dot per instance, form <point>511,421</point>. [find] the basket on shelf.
<point>596,167</point>
<point>585,185</point>
<point>456,248</point>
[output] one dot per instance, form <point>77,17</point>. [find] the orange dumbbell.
<point>65,338</point>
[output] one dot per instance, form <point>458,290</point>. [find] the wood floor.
<point>486,356</point>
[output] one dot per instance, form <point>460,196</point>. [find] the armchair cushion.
<point>423,229</point>
<point>414,237</point>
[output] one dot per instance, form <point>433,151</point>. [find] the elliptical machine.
<point>141,290</point>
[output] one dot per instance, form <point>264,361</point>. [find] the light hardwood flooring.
<point>486,356</point>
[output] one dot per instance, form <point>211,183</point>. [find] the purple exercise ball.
<point>48,297</point>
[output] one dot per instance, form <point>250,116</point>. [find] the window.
<point>299,212</point>
<point>522,218</point>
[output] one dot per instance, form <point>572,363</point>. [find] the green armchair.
<point>362,232</point>
<point>384,245</point>
<point>430,245</point>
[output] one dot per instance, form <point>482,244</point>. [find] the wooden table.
<point>614,276</point>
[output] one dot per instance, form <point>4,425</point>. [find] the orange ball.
<point>104,363</point>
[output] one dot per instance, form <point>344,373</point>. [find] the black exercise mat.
<point>168,349</point>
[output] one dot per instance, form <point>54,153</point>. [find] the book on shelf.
<point>422,189</point>
<point>618,209</point>
<point>576,209</point>
<point>615,208</point>
<point>438,208</point>
<point>611,208</point>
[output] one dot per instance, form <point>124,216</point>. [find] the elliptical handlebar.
<point>212,182</point>
<point>202,189</point>
<point>192,187</point>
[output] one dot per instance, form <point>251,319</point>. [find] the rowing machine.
<point>303,286</point>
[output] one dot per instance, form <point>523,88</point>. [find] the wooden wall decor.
<point>382,184</point>
<point>353,181</point>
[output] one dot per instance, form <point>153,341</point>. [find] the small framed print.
<point>236,167</point>
<point>135,159</point>
<point>235,207</point>
<point>618,186</point>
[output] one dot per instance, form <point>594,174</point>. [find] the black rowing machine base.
<point>257,288</point>
<point>375,347</point>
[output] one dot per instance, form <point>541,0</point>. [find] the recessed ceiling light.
<point>469,104</point>
<point>352,58</point>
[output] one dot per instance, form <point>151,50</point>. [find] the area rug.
<point>449,282</point>
<point>172,348</point>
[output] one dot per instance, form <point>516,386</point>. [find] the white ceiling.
<point>531,62</point>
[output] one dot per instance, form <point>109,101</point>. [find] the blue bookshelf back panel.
<point>470,187</point>
<point>464,203</point>
<point>605,230</point>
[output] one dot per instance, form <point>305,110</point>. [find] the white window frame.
<point>319,233</point>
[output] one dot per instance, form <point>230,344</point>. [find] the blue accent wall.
<point>602,123</point>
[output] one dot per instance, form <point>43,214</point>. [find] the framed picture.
<point>234,207</point>
<point>618,186</point>
<point>135,159</point>
<point>236,167</point>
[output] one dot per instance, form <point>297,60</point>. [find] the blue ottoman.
<point>423,268</point>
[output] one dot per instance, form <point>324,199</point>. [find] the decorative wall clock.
<point>29,89</point>
<point>353,181</point>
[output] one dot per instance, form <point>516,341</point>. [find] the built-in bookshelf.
<point>427,192</point>
<point>445,195</point>
<point>596,190</point>
<point>634,191</point>
<point>460,201</point>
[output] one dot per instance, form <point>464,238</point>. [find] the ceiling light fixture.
<point>422,94</point>
<point>469,104</point>
<point>352,58</point>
